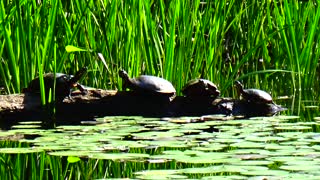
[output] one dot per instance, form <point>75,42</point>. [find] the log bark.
<point>99,103</point>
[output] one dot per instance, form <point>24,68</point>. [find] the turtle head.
<point>239,86</point>
<point>79,74</point>
<point>123,74</point>
<point>126,80</point>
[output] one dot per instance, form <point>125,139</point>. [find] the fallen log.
<point>99,103</point>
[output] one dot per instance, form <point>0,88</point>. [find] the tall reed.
<point>262,43</point>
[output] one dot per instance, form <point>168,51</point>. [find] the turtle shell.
<point>254,95</point>
<point>200,87</point>
<point>146,83</point>
<point>64,83</point>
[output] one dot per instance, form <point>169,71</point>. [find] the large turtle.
<point>254,95</point>
<point>146,84</point>
<point>64,84</point>
<point>200,88</point>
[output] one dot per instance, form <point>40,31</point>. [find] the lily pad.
<point>118,156</point>
<point>20,150</point>
<point>159,174</point>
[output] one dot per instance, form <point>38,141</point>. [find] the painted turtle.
<point>254,95</point>
<point>147,84</point>
<point>64,84</point>
<point>200,87</point>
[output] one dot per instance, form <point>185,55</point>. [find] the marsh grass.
<point>263,43</point>
<point>270,45</point>
<point>267,44</point>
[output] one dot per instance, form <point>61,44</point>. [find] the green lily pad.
<point>231,177</point>
<point>274,146</point>
<point>265,173</point>
<point>71,153</point>
<point>211,147</point>
<point>288,117</point>
<point>30,122</point>
<point>301,167</point>
<point>118,156</point>
<point>252,163</point>
<point>293,128</point>
<point>265,139</point>
<point>159,174</point>
<point>156,135</point>
<point>20,150</point>
<point>248,144</point>
<point>285,159</point>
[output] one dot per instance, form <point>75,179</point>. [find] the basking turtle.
<point>200,87</point>
<point>254,95</point>
<point>64,84</point>
<point>146,84</point>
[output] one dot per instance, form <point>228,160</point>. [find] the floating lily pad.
<point>159,174</point>
<point>249,151</point>
<point>232,177</point>
<point>6,133</point>
<point>274,146</point>
<point>211,147</point>
<point>214,117</point>
<point>214,169</point>
<point>265,178</point>
<point>265,173</point>
<point>203,135</point>
<point>30,122</point>
<point>265,139</point>
<point>250,156</point>
<point>130,144</point>
<point>288,117</point>
<point>170,176</point>
<point>285,159</point>
<point>298,142</point>
<point>71,153</point>
<point>305,167</point>
<point>293,128</point>
<point>248,144</point>
<point>118,156</point>
<point>156,135</point>
<point>170,143</point>
<point>20,150</point>
<point>291,135</point>
<point>252,163</point>
<point>28,131</point>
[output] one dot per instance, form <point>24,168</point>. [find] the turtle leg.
<point>82,89</point>
<point>124,86</point>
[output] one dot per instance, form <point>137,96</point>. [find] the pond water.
<point>212,146</point>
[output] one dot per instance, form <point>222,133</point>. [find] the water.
<point>187,147</point>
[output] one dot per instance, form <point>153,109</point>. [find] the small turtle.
<point>200,87</point>
<point>147,84</point>
<point>64,84</point>
<point>254,95</point>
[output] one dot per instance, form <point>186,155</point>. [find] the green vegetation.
<point>264,43</point>
<point>149,148</point>
<point>270,45</point>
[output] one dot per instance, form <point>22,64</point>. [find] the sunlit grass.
<point>221,41</point>
<point>269,45</point>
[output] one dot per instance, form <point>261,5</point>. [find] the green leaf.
<point>70,48</point>
<point>73,159</point>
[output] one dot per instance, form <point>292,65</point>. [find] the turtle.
<point>200,88</point>
<point>64,84</point>
<point>254,95</point>
<point>147,85</point>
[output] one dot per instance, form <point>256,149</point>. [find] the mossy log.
<point>99,103</point>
